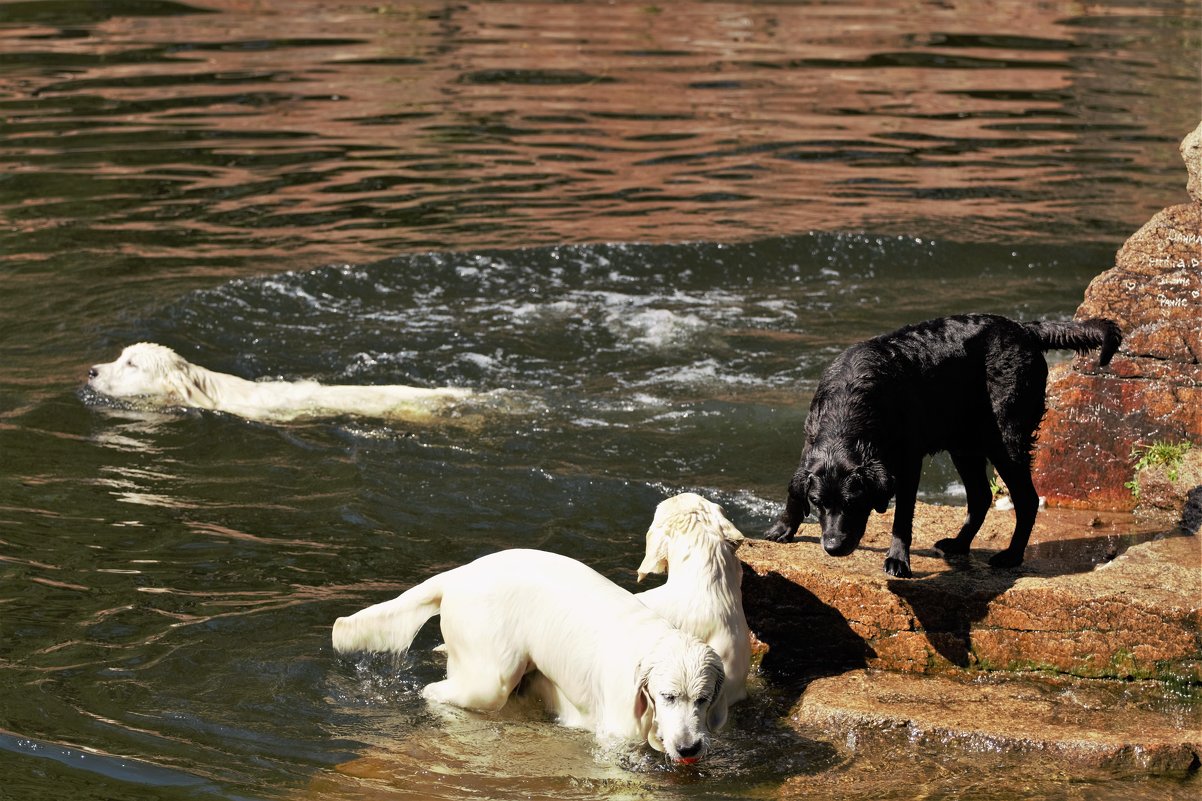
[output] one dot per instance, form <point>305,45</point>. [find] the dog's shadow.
<point>948,604</point>
<point>809,638</point>
<point>805,637</point>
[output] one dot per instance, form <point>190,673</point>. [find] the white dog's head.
<point>680,679</point>
<point>685,519</point>
<point>153,372</point>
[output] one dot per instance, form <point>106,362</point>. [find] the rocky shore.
<point>1090,654</point>
<point>1104,606</point>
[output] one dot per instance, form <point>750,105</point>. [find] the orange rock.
<point>1153,389</point>
<point>1090,726</point>
<point>1093,599</point>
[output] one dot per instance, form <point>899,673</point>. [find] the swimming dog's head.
<point>152,372</point>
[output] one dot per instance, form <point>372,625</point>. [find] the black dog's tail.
<point>1096,332</point>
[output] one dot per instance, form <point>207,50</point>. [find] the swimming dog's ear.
<point>880,484</point>
<point>189,385</point>
<point>644,711</point>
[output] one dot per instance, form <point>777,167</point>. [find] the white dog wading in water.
<point>157,375</point>
<point>691,539</point>
<point>604,661</point>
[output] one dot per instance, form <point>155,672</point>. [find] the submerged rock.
<point>1118,727</point>
<point>1152,391</point>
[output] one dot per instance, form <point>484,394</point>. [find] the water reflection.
<point>345,128</point>
<point>180,173</point>
<point>415,751</point>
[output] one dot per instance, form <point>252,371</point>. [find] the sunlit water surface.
<point>650,225</point>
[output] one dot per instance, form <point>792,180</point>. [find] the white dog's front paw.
<point>440,692</point>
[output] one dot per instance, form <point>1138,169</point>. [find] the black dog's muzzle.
<point>840,536</point>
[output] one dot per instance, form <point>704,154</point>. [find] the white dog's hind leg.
<point>555,702</point>
<point>389,627</point>
<point>476,685</point>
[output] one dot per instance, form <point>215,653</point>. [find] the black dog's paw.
<point>1006,558</point>
<point>951,547</point>
<point>781,532</point>
<point>897,567</point>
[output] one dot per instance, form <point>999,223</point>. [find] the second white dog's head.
<point>680,682</point>
<point>683,521</point>
<point>153,372</point>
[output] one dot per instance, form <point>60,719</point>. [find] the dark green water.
<point>654,225</point>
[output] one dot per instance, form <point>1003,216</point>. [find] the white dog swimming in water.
<point>155,374</point>
<point>600,659</point>
<point>692,541</point>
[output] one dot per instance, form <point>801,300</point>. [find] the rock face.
<point>1161,487</point>
<point>1152,390</point>
<point>1191,151</point>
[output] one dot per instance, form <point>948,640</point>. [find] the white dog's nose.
<point>93,372</point>
<point>691,752</point>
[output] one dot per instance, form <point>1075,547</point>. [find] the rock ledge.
<point>1099,596</point>
<point>1065,657</point>
<point>1105,726</point>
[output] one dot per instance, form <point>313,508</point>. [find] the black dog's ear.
<point>799,495</point>
<point>880,484</point>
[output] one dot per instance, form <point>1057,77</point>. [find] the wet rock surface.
<point>1113,726</point>
<point>1090,653</point>
<point>1152,391</point>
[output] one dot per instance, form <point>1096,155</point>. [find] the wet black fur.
<point>972,385</point>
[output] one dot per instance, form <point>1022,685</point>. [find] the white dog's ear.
<point>729,533</point>
<point>716,717</point>
<point>644,712</point>
<point>656,558</point>
<point>190,385</point>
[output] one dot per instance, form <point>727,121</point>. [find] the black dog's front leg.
<point>897,560</point>
<point>796,509</point>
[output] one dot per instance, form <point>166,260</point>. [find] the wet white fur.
<point>599,658</point>
<point>692,541</point>
<point>157,375</point>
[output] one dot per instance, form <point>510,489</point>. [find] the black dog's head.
<point>843,486</point>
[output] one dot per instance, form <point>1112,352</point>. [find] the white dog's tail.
<point>389,627</point>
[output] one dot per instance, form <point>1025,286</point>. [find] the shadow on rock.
<point>1078,605</point>
<point>807,637</point>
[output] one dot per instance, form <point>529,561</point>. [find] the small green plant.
<point>1159,454</point>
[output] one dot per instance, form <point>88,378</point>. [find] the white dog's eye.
<point>703,701</point>
<point>130,363</point>
<point>669,699</point>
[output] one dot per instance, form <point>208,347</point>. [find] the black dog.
<point>972,385</point>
